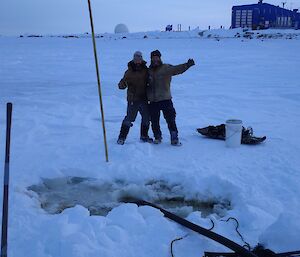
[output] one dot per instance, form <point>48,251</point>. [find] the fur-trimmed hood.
<point>132,66</point>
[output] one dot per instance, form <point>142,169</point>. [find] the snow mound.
<point>283,234</point>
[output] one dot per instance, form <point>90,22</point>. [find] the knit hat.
<point>138,55</point>
<point>156,53</point>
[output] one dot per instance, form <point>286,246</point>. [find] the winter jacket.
<point>160,81</point>
<point>135,80</point>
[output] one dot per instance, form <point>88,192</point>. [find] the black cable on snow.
<point>247,245</point>
<point>205,232</point>
<point>180,238</point>
<point>175,240</point>
<point>213,225</point>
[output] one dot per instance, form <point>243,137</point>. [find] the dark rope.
<point>175,240</point>
<point>213,225</point>
<point>180,238</point>
<point>246,245</point>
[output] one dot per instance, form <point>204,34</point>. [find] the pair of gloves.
<point>190,63</point>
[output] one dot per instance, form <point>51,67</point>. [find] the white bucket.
<point>233,133</point>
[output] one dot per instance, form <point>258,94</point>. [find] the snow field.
<point>57,133</point>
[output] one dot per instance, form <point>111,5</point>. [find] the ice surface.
<point>57,134</point>
<point>101,197</point>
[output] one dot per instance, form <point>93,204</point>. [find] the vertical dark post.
<point>98,80</point>
<point>6,183</point>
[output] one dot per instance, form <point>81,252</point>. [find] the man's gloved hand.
<point>190,62</point>
<point>122,84</point>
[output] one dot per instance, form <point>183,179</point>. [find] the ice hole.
<point>99,197</point>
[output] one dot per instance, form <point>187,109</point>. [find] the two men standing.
<point>150,86</point>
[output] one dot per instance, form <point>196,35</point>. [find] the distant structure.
<point>179,26</point>
<point>169,27</point>
<point>264,16</point>
<point>121,28</point>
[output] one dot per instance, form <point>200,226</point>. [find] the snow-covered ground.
<point>196,33</point>
<point>57,136</point>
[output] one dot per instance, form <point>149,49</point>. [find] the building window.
<point>267,24</point>
<point>277,21</point>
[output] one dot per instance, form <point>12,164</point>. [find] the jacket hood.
<point>133,66</point>
<point>155,67</point>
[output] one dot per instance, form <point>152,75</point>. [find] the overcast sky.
<point>71,16</point>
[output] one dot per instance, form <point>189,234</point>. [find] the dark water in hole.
<point>100,197</point>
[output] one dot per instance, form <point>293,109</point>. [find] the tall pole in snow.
<point>6,183</point>
<point>98,80</point>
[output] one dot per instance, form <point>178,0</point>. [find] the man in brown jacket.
<point>135,80</point>
<point>159,95</point>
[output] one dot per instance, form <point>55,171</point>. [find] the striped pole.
<point>6,183</point>
<point>98,80</point>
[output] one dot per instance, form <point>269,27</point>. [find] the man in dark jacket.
<point>135,80</point>
<point>159,95</point>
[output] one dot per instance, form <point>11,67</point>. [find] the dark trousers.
<point>169,114</point>
<point>132,110</point>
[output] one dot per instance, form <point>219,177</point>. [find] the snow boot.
<point>121,141</point>
<point>174,138</point>
<point>157,141</point>
<point>144,134</point>
<point>215,132</point>
<point>249,139</point>
<point>123,134</point>
<point>147,140</point>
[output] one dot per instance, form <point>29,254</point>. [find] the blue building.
<point>264,16</point>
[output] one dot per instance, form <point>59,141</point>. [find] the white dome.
<point>121,28</point>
